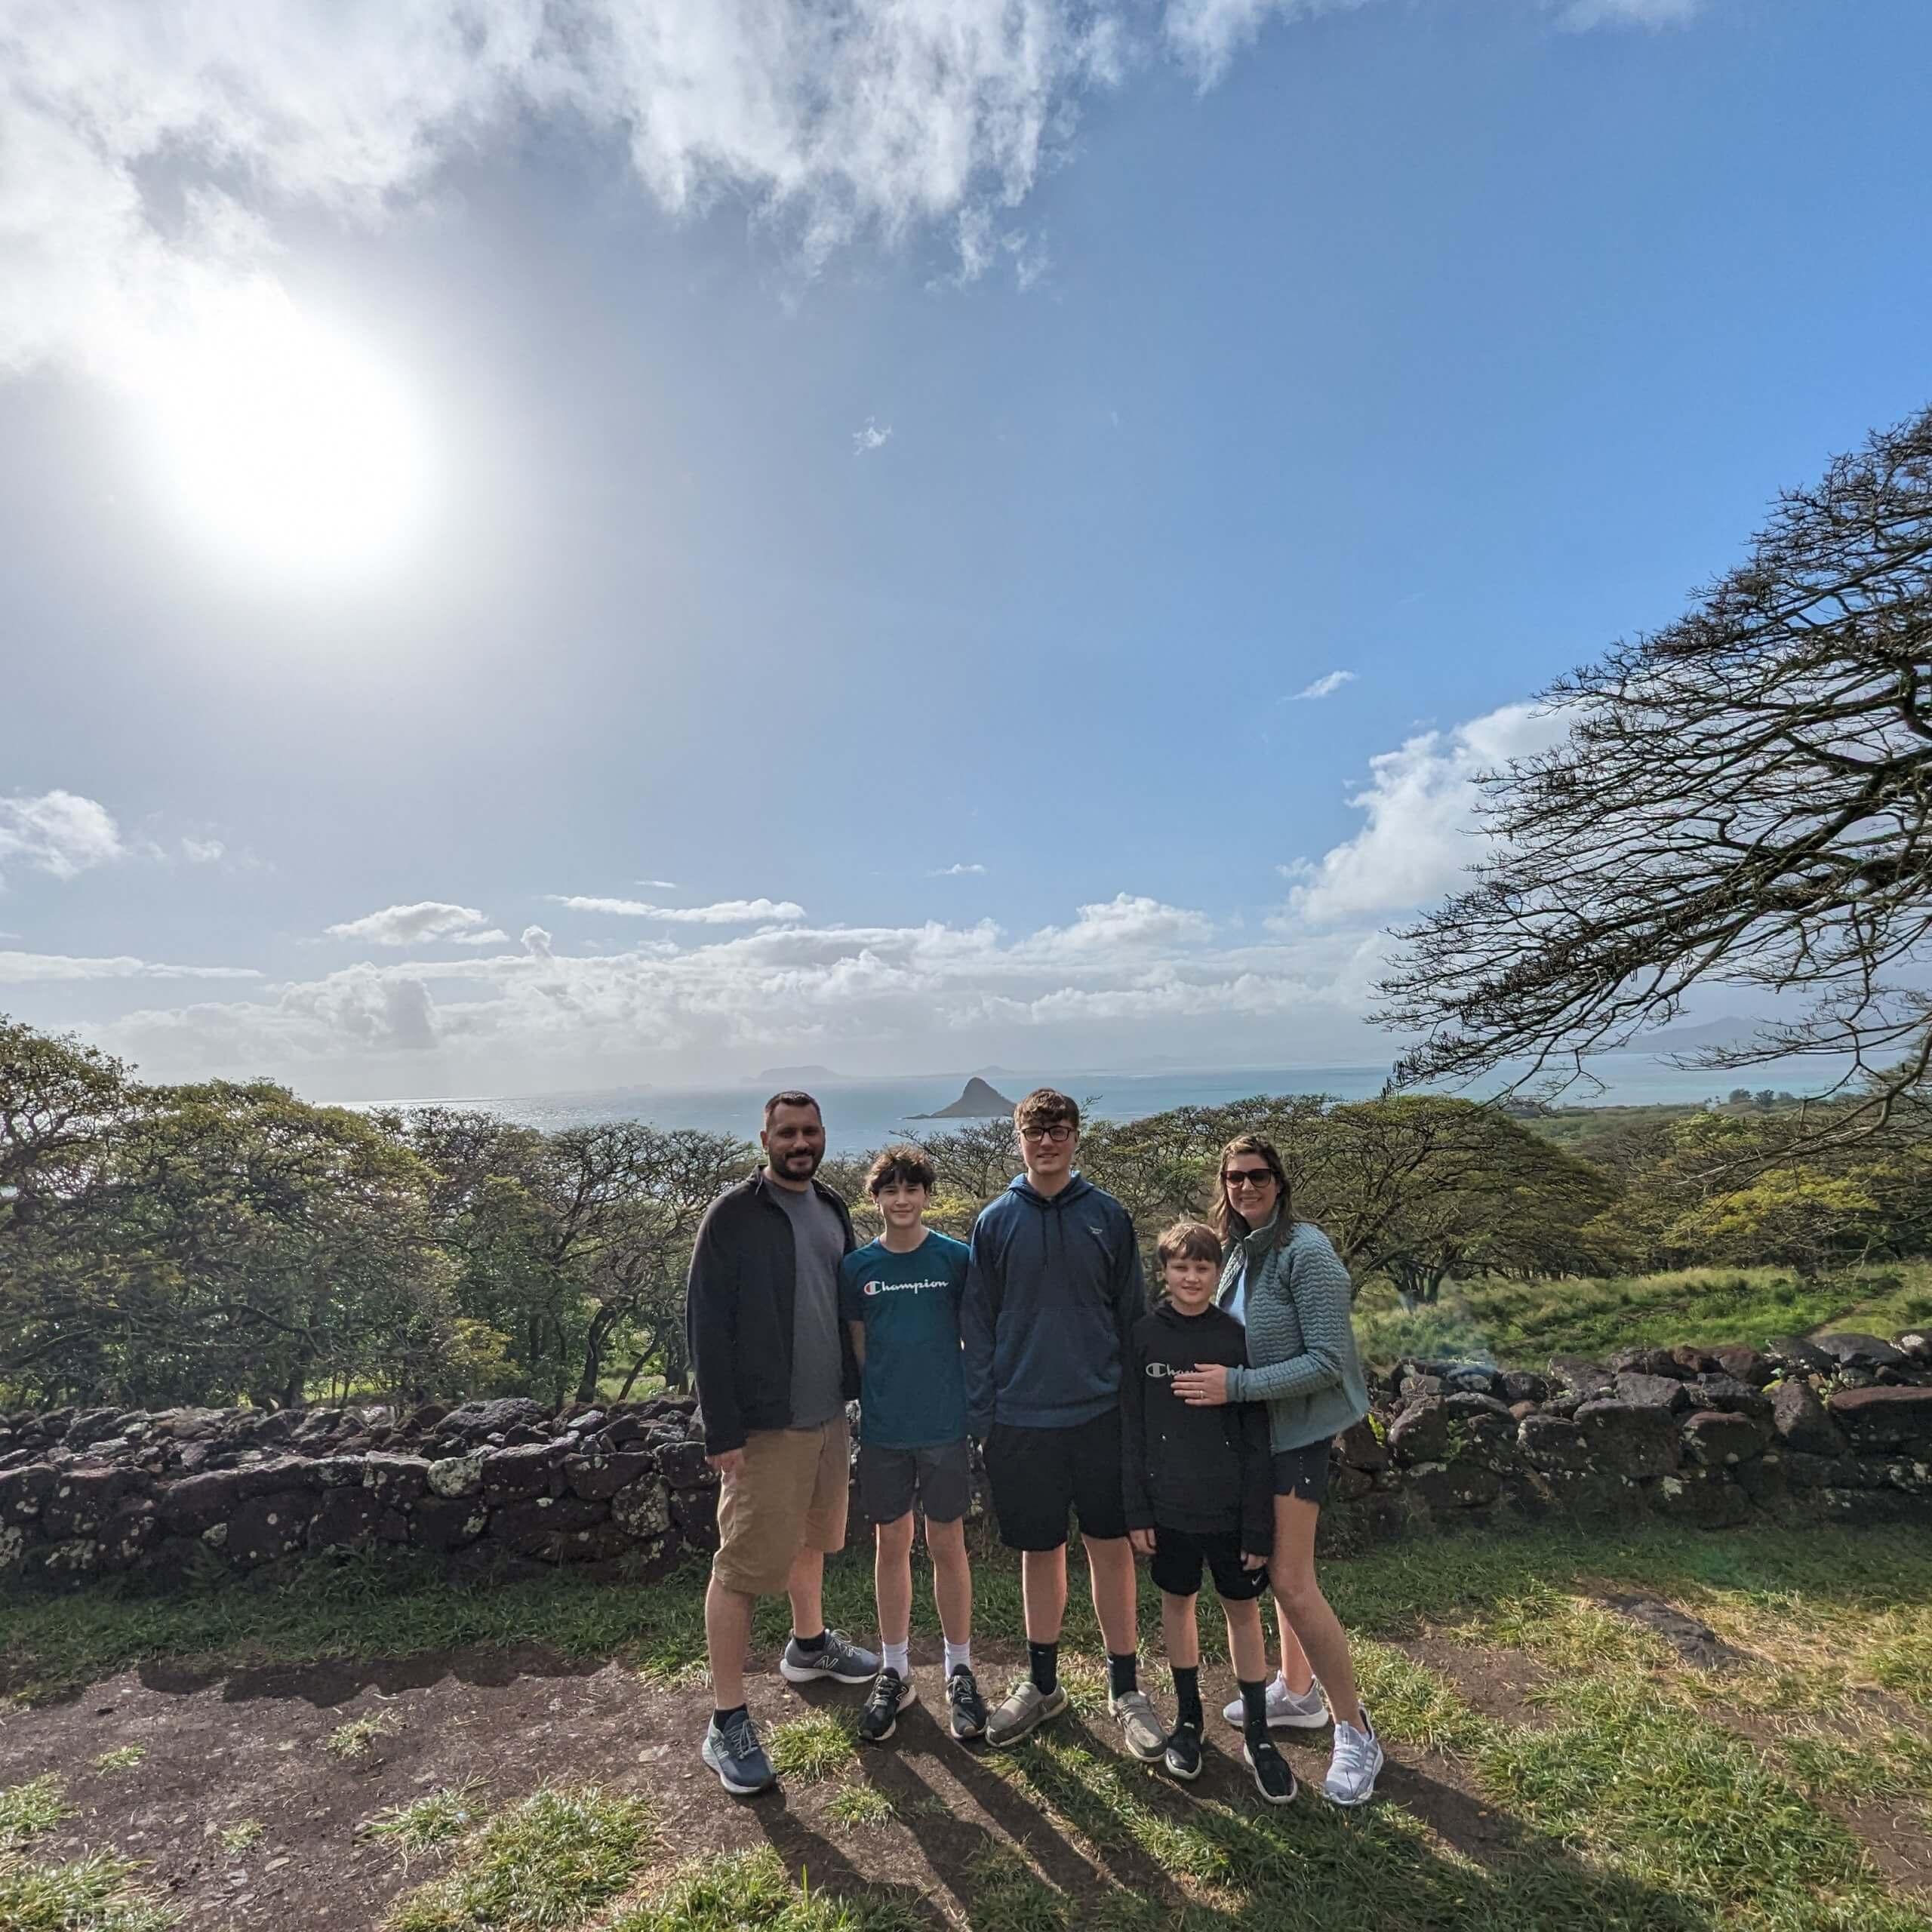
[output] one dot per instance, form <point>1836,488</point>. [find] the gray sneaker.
<point>735,1754</point>
<point>1139,1724</point>
<point>837,1657</point>
<point>1026,1705</point>
<point>1286,1712</point>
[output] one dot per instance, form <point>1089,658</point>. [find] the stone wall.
<point>1840,1427</point>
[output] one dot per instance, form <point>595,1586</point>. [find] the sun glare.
<point>286,445</point>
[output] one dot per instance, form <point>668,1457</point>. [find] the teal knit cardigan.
<point>1301,1340</point>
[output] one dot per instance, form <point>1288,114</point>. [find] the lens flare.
<point>285,444</point>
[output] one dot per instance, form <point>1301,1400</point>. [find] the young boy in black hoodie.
<point>1200,1491</point>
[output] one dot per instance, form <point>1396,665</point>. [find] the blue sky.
<point>879,490</point>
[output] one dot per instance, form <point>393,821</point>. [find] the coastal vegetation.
<point>226,1242</point>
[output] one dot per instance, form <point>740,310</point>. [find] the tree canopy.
<point>1742,798</point>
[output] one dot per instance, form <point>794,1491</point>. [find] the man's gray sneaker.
<point>734,1753</point>
<point>1354,1764</point>
<point>1147,1736</point>
<point>1026,1705</point>
<point>837,1657</point>
<point>1286,1712</point>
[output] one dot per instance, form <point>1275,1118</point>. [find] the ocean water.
<point>860,1114</point>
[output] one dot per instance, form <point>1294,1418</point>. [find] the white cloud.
<point>863,117</point>
<point>1124,925</point>
<point>59,833</point>
<point>957,871</point>
<point>871,438</point>
<point>725,912</point>
<point>203,851</point>
<point>1209,33</point>
<point>151,155</point>
<point>659,884</point>
<point>534,1018</point>
<point>22,969</point>
<point>1583,14</point>
<point>493,935</point>
<point>1420,804</point>
<point>413,925</point>
<point>1323,687</point>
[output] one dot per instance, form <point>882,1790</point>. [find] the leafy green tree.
<point>573,1245</point>
<point>236,1241</point>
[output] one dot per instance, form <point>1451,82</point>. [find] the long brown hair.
<point>1228,1225</point>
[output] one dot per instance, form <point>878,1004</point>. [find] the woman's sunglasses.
<point>1247,1176</point>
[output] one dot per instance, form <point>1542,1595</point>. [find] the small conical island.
<point>978,1102</point>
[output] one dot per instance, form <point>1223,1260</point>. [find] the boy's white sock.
<point>898,1657</point>
<point>959,1656</point>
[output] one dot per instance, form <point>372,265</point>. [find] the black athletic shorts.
<point>1038,1474</point>
<point>1179,1555</point>
<point>941,1477</point>
<point>1304,1471</point>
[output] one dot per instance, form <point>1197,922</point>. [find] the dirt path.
<point>222,1749</point>
<point>250,1748</point>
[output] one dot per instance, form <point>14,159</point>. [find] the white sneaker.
<point>1356,1760</point>
<point>1286,1712</point>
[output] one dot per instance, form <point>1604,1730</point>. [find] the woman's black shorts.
<point>1304,1471</point>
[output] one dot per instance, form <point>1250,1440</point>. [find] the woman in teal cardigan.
<point>1282,1278</point>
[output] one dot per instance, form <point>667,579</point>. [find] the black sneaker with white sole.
<point>733,1751</point>
<point>1182,1755</point>
<point>968,1707</point>
<point>837,1657</point>
<point>1272,1778</point>
<point>891,1694</point>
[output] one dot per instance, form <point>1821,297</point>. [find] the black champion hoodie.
<point>1206,1471</point>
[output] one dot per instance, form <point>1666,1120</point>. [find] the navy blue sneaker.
<point>733,1751</point>
<point>891,1694</point>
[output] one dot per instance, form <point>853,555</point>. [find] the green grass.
<point>751,1891</point>
<point>861,1805</point>
<point>95,1893</point>
<point>1524,1323</point>
<point>821,1744</point>
<point>124,1759</point>
<point>238,1840</point>
<point>551,1861</point>
<point>1639,1796</point>
<point>353,1740</point>
<point>435,1818</point>
<point>37,1806</point>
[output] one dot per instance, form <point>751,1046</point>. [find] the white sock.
<point>898,1657</point>
<point>959,1656</point>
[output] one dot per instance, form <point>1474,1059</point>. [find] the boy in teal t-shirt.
<point>900,1294</point>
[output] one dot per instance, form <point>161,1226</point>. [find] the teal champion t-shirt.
<point>912,1392</point>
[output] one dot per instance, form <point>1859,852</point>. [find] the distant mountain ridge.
<point>1711,1033</point>
<point>978,1102</point>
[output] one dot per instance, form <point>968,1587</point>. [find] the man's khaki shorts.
<point>791,1496</point>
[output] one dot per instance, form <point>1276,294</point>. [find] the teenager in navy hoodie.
<point>1054,1288</point>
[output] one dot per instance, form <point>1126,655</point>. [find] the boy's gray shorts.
<point>941,1477</point>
